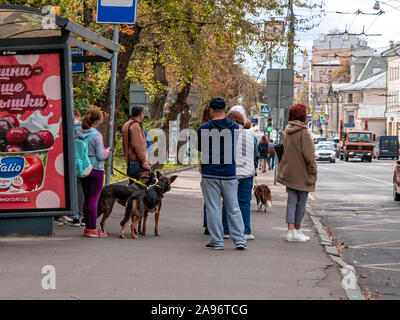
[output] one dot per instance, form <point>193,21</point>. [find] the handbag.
<point>279,151</point>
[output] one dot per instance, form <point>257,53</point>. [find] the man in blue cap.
<point>218,169</point>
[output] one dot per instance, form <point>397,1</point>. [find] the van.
<point>388,147</point>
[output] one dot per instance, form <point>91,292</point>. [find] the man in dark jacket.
<point>218,169</point>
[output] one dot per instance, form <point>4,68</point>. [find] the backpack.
<point>263,148</point>
<point>271,151</point>
<point>83,165</point>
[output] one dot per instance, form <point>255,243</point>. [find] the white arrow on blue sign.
<point>116,11</point>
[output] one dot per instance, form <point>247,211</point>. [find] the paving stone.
<point>338,260</point>
<point>332,250</point>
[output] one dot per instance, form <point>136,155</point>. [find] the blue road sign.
<point>326,123</point>
<point>77,67</point>
<point>264,109</point>
<point>116,11</point>
<point>349,125</point>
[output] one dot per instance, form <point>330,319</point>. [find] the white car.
<point>325,152</point>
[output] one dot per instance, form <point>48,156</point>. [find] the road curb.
<point>349,279</point>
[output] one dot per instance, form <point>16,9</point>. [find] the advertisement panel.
<point>31,133</point>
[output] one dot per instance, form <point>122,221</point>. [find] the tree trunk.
<point>171,112</point>
<point>128,42</point>
<point>159,100</point>
<point>184,124</point>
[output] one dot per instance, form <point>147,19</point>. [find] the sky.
<point>386,24</point>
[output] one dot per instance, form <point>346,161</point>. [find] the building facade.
<point>393,90</point>
<point>354,103</point>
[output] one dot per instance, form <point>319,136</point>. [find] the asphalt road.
<point>354,200</point>
<point>175,265</point>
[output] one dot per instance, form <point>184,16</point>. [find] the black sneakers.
<point>75,222</point>
<point>213,247</point>
<point>241,247</point>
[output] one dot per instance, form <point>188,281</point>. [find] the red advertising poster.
<point>31,137</point>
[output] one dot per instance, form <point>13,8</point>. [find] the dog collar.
<point>138,182</point>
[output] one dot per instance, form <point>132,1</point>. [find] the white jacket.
<point>244,155</point>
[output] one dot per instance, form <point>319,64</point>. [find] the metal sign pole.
<point>278,139</point>
<point>113,86</point>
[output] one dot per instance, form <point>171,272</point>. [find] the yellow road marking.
<point>369,224</point>
<point>380,268</point>
<point>364,229</point>
<point>374,244</point>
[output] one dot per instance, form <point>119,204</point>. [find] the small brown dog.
<point>263,197</point>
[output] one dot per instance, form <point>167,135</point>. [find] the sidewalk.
<point>175,265</point>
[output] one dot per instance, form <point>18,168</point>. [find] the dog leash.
<point>134,180</point>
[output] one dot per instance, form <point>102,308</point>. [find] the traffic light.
<point>269,124</point>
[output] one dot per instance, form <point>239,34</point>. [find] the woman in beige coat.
<point>297,170</point>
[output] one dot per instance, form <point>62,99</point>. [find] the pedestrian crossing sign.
<point>263,109</point>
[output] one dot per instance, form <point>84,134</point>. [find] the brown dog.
<point>141,202</point>
<point>263,196</point>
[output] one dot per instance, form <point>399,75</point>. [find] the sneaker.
<point>227,236</point>
<point>75,223</point>
<point>249,237</point>
<point>303,235</point>
<point>83,222</point>
<point>66,218</point>
<point>94,233</point>
<point>241,247</point>
<point>289,236</point>
<point>294,236</point>
<point>214,247</point>
<point>59,222</point>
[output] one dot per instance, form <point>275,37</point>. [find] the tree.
<point>342,74</point>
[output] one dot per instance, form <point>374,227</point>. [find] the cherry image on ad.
<point>31,137</point>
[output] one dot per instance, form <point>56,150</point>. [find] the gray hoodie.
<point>97,153</point>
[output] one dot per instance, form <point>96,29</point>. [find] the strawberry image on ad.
<point>31,132</point>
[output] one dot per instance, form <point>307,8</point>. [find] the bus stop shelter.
<point>37,153</point>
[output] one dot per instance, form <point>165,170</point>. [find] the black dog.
<point>121,193</point>
<point>144,201</point>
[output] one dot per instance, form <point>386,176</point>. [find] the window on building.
<point>350,98</point>
<point>330,75</point>
<point>321,75</point>
<point>321,90</point>
<point>351,118</point>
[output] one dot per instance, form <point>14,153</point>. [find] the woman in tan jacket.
<point>297,170</point>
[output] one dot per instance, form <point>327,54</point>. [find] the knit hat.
<point>241,110</point>
<point>217,103</point>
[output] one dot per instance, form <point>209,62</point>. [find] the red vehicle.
<point>396,182</point>
<point>356,143</point>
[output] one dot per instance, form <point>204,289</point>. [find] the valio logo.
<point>11,167</point>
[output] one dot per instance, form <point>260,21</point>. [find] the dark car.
<point>388,147</point>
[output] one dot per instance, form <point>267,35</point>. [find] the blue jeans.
<point>213,190</point>
<point>244,197</point>
<point>271,159</point>
<point>80,199</point>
